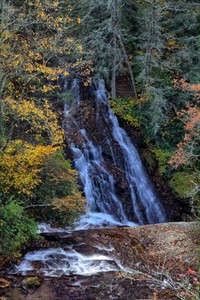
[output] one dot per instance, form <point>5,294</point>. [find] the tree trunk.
<point>114,17</point>
<point>129,65</point>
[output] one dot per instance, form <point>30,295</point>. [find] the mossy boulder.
<point>31,283</point>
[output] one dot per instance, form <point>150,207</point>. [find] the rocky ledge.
<point>149,262</point>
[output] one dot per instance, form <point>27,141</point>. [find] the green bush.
<point>162,157</point>
<point>16,228</point>
<point>183,183</point>
<point>58,197</point>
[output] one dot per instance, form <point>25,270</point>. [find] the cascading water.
<point>96,176</point>
<point>105,159</point>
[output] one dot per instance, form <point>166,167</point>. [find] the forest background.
<point>154,43</point>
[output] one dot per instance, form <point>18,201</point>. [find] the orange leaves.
<point>185,86</point>
<point>191,272</point>
<point>4,283</point>
<point>190,116</point>
<point>71,203</point>
<point>186,148</point>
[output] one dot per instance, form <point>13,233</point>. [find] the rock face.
<point>147,262</point>
<point>177,209</point>
<point>110,168</point>
<point>93,117</point>
<point>88,122</point>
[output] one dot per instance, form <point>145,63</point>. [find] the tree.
<point>35,49</point>
<point>160,55</point>
<point>103,37</point>
<point>187,153</point>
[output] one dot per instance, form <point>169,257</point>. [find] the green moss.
<point>124,108</point>
<point>31,283</point>
<point>182,183</point>
<point>162,157</point>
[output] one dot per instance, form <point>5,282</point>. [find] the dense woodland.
<point>154,43</point>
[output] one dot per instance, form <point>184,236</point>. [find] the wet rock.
<point>177,209</point>
<point>146,257</point>
<point>93,117</point>
<point>31,283</point>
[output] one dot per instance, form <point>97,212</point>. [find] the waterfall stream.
<point>105,158</point>
<point>97,179</point>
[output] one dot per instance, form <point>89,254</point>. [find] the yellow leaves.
<point>40,119</point>
<point>78,20</point>
<point>124,108</point>
<point>54,4</point>
<point>48,72</point>
<point>4,283</point>
<point>73,202</point>
<point>79,48</point>
<point>49,88</point>
<point>172,44</point>
<point>4,34</point>
<point>41,15</point>
<point>29,67</point>
<point>34,55</point>
<point>20,166</point>
<point>65,73</point>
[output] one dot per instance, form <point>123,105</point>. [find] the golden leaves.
<point>4,283</point>
<point>172,44</point>
<point>40,118</point>
<point>70,203</point>
<point>124,108</point>
<point>20,166</point>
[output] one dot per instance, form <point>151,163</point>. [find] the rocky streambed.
<point>145,262</point>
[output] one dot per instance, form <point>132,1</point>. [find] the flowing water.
<point>97,180</point>
<point>57,262</point>
<point>104,206</point>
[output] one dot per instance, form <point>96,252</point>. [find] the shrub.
<point>16,228</point>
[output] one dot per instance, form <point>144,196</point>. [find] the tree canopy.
<point>154,43</point>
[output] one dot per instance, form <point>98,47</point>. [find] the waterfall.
<point>115,184</point>
<point>101,151</point>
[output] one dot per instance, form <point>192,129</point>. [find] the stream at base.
<point>57,262</point>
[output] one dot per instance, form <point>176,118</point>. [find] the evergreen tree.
<point>104,37</point>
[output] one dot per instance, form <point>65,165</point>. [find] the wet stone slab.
<point>118,263</point>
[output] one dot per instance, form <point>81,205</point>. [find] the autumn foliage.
<point>20,166</point>
<point>36,180</point>
<point>187,148</point>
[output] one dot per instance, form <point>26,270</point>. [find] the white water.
<point>44,227</point>
<point>141,190</point>
<point>104,207</point>
<point>98,182</point>
<point>55,262</point>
